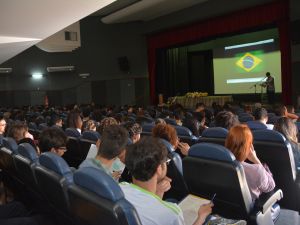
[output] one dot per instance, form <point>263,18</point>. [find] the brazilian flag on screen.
<point>252,61</point>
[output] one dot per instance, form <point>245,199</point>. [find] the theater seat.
<point>272,148</point>
<point>72,132</point>
<point>256,125</point>
<point>74,155</point>
<point>186,135</point>
<point>147,129</point>
<point>25,161</point>
<point>91,135</point>
<point>53,176</point>
<point>178,187</point>
<point>211,168</point>
<point>215,135</point>
<point>96,198</point>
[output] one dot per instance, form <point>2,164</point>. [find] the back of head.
<point>226,119</point>
<point>52,138</point>
<point>74,120</point>
<point>143,158</point>
<point>288,128</point>
<point>260,113</point>
<point>239,141</point>
<point>17,131</point>
<point>133,128</point>
<point>113,141</point>
<point>165,131</point>
<point>106,122</point>
<point>268,74</point>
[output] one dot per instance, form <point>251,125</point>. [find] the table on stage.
<point>190,102</point>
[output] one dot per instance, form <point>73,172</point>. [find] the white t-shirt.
<point>150,208</point>
<point>92,152</point>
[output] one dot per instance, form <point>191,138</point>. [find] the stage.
<point>190,102</point>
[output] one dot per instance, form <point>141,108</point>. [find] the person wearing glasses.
<point>53,140</point>
<point>147,161</point>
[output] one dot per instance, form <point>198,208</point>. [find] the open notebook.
<point>190,206</point>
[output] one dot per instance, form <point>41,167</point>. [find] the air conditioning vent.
<point>5,70</point>
<point>84,75</point>
<point>60,69</point>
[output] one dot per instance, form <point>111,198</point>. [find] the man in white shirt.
<point>147,161</point>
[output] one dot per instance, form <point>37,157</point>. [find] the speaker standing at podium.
<point>269,84</point>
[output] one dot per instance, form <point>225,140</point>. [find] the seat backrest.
<point>171,121</point>
<point>211,168</point>
<point>186,135</point>
<point>147,128</point>
<point>215,135</point>
<point>11,144</point>
<point>272,148</point>
<point>74,155</point>
<point>245,118</point>
<point>42,126</point>
<point>256,125</point>
<point>96,198</point>
<point>91,135</point>
<point>53,176</point>
<point>178,187</point>
<point>72,132</point>
<point>273,119</point>
<point>25,162</point>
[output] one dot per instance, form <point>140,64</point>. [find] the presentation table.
<point>190,102</point>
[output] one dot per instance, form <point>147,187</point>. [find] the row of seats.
<point>84,196</point>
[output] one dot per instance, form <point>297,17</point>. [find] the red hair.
<point>239,141</point>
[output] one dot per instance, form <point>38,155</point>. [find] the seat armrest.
<point>267,200</point>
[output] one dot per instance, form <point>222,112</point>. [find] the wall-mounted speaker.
<point>124,64</point>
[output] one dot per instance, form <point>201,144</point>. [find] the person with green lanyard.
<point>147,161</point>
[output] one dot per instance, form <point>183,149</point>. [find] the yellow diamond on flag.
<point>248,62</point>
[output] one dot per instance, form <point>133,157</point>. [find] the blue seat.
<point>215,135</point>
<point>210,168</point>
<point>42,126</point>
<point>25,161</point>
<point>96,198</point>
<point>272,148</point>
<point>147,128</point>
<point>72,132</point>
<point>178,188</point>
<point>53,177</point>
<point>186,135</point>
<point>75,154</point>
<point>245,118</point>
<point>256,125</point>
<point>273,120</point>
<point>8,149</point>
<point>10,144</point>
<point>171,121</point>
<point>91,135</point>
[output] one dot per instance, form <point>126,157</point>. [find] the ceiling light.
<point>37,76</point>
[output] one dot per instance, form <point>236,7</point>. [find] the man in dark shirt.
<point>269,84</point>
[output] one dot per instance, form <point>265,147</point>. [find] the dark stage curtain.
<point>275,13</point>
<point>172,71</point>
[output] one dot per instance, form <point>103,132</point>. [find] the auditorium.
<point>149,112</point>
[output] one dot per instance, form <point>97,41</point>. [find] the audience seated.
<point>259,178</point>
<point>111,153</point>
<point>53,140</point>
<point>260,122</point>
<point>168,132</point>
<point>226,120</point>
<point>147,162</point>
<point>134,131</point>
<point>288,128</point>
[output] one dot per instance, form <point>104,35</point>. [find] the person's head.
<point>200,117</point>
<point>199,107</point>
<point>167,132</point>
<point>281,111</point>
<point>106,122</point>
<point>261,114</point>
<point>287,127</point>
<point>2,125</point>
<point>146,159</point>
<point>239,141</point>
<point>57,121</point>
<point>89,125</point>
<point>74,120</point>
<point>53,140</point>
<point>134,131</point>
<point>17,131</point>
<point>226,119</point>
<point>160,121</point>
<point>113,142</point>
<point>268,74</point>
